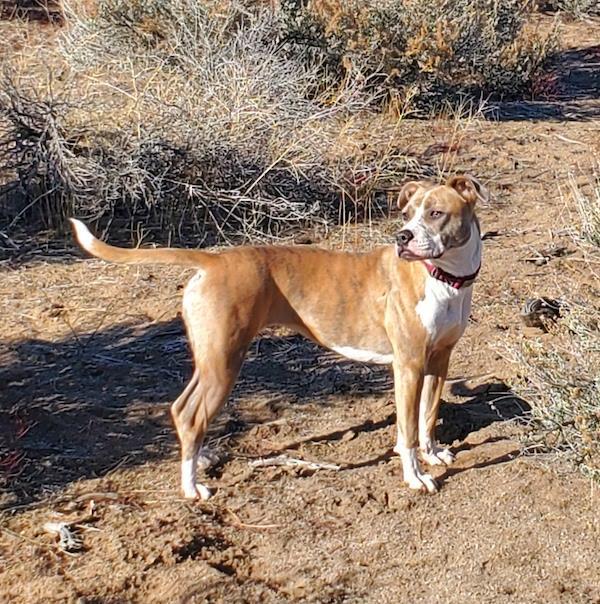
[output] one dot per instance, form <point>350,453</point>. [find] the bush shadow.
<point>568,91</point>
<point>84,405</point>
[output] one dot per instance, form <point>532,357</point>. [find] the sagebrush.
<point>431,51</point>
<point>176,113</point>
<point>577,9</point>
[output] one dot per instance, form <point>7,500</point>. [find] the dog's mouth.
<point>406,254</point>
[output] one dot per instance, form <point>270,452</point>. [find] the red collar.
<point>452,280</point>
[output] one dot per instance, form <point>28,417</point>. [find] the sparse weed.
<point>561,382</point>
<point>561,372</point>
<point>587,205</point>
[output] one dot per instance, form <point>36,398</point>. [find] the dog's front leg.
<point>433,383</point>
<point>408,382</point>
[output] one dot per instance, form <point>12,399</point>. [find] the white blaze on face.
<point>423,243</point>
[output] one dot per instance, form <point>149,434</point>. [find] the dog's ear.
<point>469,188</point>
<point>407,191</point>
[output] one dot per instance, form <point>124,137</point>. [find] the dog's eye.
<point>435,214</point>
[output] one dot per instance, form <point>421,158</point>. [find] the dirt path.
<point>92,354</point>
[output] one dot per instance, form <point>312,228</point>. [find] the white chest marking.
<point>364,356</point>
<point>444,310</point>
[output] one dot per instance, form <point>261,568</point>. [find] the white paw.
<point>413,476</point>
<point>204,492</point>
<point>423,482</point>
<point>198,491</point>
<point>438,456</point>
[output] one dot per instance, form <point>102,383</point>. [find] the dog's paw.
<point>203,491</point>
<point>199,491</point>
<point>424,483</point>
<point>437,456</point>
<point>413,476</point>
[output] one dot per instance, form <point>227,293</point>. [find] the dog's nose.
<point>405,236</point>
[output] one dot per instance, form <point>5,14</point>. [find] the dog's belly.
<point>363,340</point>
<point>364,356</point>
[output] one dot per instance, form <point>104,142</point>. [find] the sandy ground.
<point>92,354</point>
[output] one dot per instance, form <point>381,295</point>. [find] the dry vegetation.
<point>476,47</point>
<point>170,113</point>
<point>576,9</point>
<point>560,377</point>
<point>234,121</point>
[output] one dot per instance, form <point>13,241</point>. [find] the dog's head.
<point>437,217</point>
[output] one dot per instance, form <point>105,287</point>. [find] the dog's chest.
<point>444,311</point>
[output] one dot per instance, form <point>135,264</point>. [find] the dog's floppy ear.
<point>469,188</point>
<point>407,191</point>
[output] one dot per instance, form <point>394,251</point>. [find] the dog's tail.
<point>95,247</point>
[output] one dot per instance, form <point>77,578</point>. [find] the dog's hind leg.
<point>219,332</point>
<point>192,413</point>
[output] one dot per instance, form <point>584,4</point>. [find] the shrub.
<point>431,50</point>
<point>576,9</point>
<point>227,120</point>
<point>166,111</point>
<point>35,146</point>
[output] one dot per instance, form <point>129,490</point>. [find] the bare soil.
<point>92,354</point>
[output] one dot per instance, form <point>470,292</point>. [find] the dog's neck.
<point>463,260</point>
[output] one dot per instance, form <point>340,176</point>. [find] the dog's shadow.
<point>484,404</point>
<point>82,406</point>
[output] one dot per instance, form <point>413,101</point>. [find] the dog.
<point>405,305</point>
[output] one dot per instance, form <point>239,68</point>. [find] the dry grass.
<point>575,9</point>
<point>587,204</point>
<point>561,373</point>
<point>195,120</point>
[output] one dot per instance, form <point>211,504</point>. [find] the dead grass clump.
<point>561,373</point>
<point>36,146</point>
<point>429,50</point>
<point>47,11</point>
<point>561,383</point>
